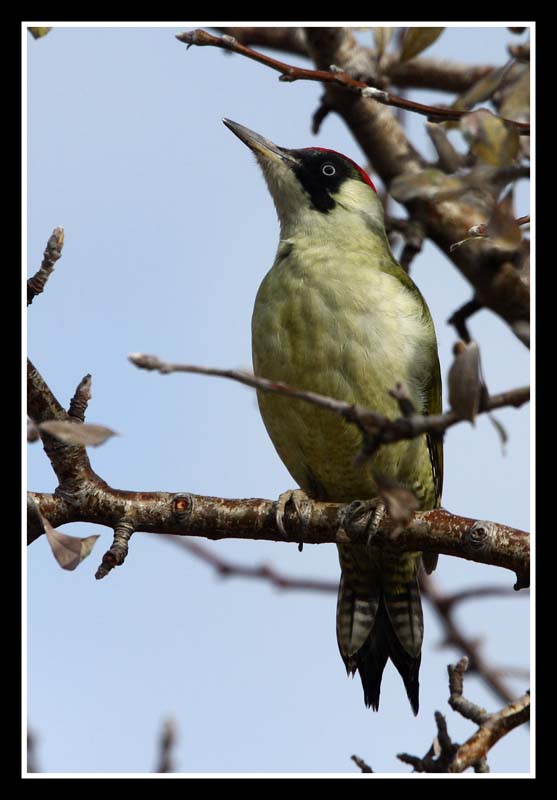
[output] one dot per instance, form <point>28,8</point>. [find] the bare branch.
<point>290,40</point>
<point>492,726</point>
<point>68,461</point>
<point>52,253</point>
<point>265,572</point>
<point>458,319</point>
<point>450,160</point>
<point>290,74</point>
<point>376,429</point>
<point>118,550</point>
<point>442,604</point>
<point>444,607</point>
<point>447,756</point>
<point>457,701</point>
<point>80,400</point>
<point>420,73</point>
<point>167,742</point>
<point>361,764</point>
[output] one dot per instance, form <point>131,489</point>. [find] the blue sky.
<point>169,231</point>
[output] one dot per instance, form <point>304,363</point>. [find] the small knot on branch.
<point>478,536</point>
<point>116,556</point>
<point>375,94</point>
<point>182,506</point>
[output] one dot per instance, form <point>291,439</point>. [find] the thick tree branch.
<point>186,514</point>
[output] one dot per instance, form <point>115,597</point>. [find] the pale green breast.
<point>333,324</point>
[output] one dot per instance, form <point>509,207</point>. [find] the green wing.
<point>435,444</point>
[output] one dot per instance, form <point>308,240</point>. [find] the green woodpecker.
<point>338,315</point>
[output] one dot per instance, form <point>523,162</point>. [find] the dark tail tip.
<point>381,645</point>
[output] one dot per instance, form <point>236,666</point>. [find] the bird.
<point>337,314</point>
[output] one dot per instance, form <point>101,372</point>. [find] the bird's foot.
<point>362,516</point>
<point>375,522</point>
<point>302,504</point>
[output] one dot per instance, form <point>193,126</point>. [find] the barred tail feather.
<point>385,623</point>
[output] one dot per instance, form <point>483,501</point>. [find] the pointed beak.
<point>260,145</point>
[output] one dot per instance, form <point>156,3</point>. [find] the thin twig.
<point>461,315</point>
<point>361,764</point>
<point>419,73</point>
<point>492,727</point>
<point>448,756</point>
<point>116,555</point>
<point>80,400</point>
<point>376,428</point>
<point>52,253</point>
<point>290,74</point>
<point>167,742</point>
<point>442,604</point>
<point>444,607</point>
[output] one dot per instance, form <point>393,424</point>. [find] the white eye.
<point>328,170</point>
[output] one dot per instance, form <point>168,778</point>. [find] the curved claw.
<point>302,504</point>
<point>357,516</point>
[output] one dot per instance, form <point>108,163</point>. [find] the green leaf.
<point>417,39</point>
<point>37,33</point>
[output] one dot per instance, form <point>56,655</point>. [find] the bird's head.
<point>312,184</point>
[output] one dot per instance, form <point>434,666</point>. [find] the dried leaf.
<point>483,89</point>
<point>428,184</point>
<point>76,433</point>
<point>515,102</point>
<point>37,33</point>
<point>463,241</point>
<point>491,140</point>
<point>69,551</point>
<point>417,39</point>
<point>501,430</point>
<point>465,382</point>
<point>32,431</point>
<point>502,227</point>
<point>399,501</point>
<point>382,37</point>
